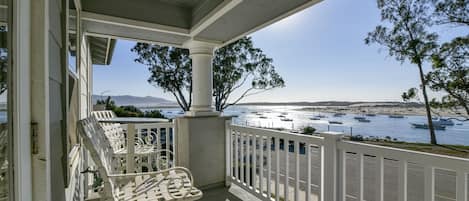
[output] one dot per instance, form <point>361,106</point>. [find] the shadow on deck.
<point>233,193</point>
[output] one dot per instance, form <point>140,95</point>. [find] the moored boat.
<point>359,118</point>
<point>425,126</point>
<point>339,114</point>
<point>370,115</point>
<point>286,119</point>
<point>443,122</point>
<point>364,120</point>
<point>396,116</point>
<point>335,122</point>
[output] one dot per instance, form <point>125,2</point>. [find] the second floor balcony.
<point>263,164</point>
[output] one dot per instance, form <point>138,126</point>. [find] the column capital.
<point>200,47</point>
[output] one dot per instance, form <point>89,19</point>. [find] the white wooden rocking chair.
<point>174,183</point>
<point>115,133</point>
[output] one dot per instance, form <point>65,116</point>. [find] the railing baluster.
<point>158,146</point>
<point>461,186</point>
<point>360,176</point>
<point>248,160</point>
<point>286,148</point>
<point>297,171</point>
<point>236,161</point>
<point>277,169</point>
<point>308,182</point>
<point>429,183</point>
<point>402,180</point>
<point>269,166</point>
<point>261,165</point>
<point>254,160</point>
<point>380,178</point>
<point>242,167</point>
<point>173,143</point>
<point>167,141</point>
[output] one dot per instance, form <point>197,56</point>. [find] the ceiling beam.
<point>108,46</point>
<point>214,15</point>
<point>141,40</point>
<point>136,24</point>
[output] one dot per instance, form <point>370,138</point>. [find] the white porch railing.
<point>276,165</point>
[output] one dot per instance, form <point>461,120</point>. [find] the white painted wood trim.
<point>20,98</point>
<point>213,16</point>
<point>118,21</point>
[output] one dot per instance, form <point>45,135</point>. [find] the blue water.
<point>380,125</point>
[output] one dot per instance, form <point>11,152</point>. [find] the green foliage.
<point>450,61</point>
<point>309,130</point>
<point>410,94</point>
<point>404,33</point>
<point>170,69</point>
<point>234,66</point>
<point>238,63</point>
<point>3,65</point>
<point>129,110</point>
<point>357,138</point>
<point>454,12</point>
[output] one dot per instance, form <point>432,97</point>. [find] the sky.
<point>320,53</point>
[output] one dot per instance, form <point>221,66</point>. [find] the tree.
<point>234,66</point>
<point>450,62</point>
<point>451,75</point>
<point>404,34</point>
<point>3,64</point>
<point>238,63</point>
<point>455,12</point>
<point>170,69</point>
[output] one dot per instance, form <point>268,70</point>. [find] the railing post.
<point>329,158</point>
<point>229,154</point>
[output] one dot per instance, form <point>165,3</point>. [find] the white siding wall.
<point>57,81</point>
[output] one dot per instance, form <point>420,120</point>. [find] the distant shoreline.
<point>362,108</point>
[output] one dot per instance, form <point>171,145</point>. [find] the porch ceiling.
<point>174,22</point>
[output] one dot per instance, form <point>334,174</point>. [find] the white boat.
<point>443,122</point>
<point>286,119</point>
<point>425,126</point>
<point>359,118</point>
<point>364,120</point>
<point>396,116</point>
<point>320,116</point>
<point>315,118</point>
<point>263,117</point>
<point>339,114</point>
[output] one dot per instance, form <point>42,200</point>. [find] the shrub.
<point>356,138</point>
<point>309,130</point>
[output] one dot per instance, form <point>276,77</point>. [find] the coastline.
<point>384,110</point>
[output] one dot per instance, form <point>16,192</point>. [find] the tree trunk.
<point>427,106</point>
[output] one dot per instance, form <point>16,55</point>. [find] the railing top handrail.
<point>281,134</point>
<point>423,158</point>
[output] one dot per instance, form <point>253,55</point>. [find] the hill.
<point>147,101</point>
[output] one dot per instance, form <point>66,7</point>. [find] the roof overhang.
<point>173,22</point>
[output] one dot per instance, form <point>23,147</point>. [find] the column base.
<point>202,113</point>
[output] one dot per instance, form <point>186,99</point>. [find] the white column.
<point>202,78</point>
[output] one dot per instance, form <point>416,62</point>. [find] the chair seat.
<point>170,187</point>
